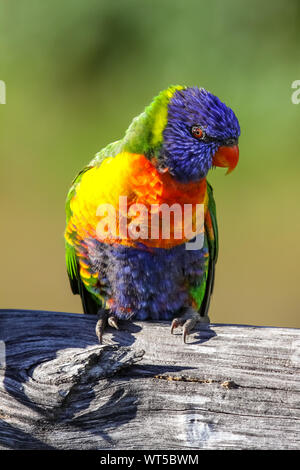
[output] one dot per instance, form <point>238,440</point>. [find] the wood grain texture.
<point>230,387</point>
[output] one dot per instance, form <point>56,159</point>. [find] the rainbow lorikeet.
<point>162,160</point>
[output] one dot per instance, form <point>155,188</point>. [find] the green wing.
<point>71,260</point>
<point>89,303</point>
<point>202,292</point>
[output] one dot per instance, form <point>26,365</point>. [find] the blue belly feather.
<point>146,283</point>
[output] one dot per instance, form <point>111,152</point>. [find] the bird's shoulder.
<point>112,173</point>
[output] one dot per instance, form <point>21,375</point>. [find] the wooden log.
<point>230,387</point>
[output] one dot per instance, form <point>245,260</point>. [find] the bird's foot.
<point>188,320</point>
<point>105,317</point>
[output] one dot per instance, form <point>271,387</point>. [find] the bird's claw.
<point>188,320</point>
<point>104,319</point>
<point>175,323</point>
<point>113,321</point>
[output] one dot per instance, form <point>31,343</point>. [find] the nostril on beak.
<point>231,141</point>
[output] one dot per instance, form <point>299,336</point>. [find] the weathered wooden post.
<point>230,387</point>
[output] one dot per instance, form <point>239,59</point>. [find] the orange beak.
<point>227,157</point>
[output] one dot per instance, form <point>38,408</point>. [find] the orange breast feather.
<point>127,200</point>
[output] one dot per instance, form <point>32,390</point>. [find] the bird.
<point>123,267</point>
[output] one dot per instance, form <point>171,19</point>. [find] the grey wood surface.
<point>230,387</point>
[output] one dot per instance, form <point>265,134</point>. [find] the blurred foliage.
<point>77,72</point>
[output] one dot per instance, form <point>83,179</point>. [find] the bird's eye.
<point>197,132</point>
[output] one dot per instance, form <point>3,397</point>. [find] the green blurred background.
<point>77,72</point>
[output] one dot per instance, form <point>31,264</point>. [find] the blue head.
<point>200,132</point>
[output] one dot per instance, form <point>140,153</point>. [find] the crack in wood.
<point>228,384</point>
<point>182,378</point>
